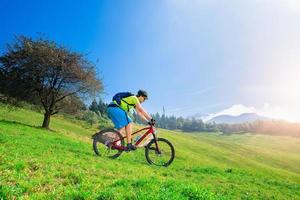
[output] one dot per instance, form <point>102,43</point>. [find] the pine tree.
<point>94,107</point>
<point>102,108</point>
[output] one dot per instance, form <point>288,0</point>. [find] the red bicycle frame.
<point>150,131</point>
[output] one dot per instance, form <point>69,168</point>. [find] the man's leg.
<point>128,130</point>
<point>122,131</point>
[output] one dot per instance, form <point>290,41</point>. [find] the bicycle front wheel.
<point>161,156</point>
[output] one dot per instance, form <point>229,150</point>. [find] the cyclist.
<point>118,112</point>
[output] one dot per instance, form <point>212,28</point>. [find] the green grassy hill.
<point>60,164</point>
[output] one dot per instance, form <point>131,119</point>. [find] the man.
<point>118,112</point>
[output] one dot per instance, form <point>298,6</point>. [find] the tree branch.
<point>54,112</point>
<point>69,94</point>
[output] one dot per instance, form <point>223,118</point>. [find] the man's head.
<point>142,95</point>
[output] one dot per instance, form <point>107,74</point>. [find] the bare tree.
<point>42,72</point>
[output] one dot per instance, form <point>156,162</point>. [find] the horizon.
<point>195,58</point>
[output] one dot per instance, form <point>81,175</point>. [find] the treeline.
<point>99,107</point>
<point>180,123</point>
<point>268,127</point>
<point>163,121</point>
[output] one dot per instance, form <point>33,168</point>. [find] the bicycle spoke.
<point>101,143</point>
<point>163,156</point>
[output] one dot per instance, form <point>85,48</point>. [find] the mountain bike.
<point>110,143</point>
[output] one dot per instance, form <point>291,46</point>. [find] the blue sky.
<point>194,57</point>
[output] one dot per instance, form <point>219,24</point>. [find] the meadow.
<point>60,164</point>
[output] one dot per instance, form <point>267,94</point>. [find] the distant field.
<point>60,164</point>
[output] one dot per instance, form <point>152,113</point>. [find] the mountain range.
<point>245,117</point>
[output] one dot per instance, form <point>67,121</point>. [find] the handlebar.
<point>152,122</point>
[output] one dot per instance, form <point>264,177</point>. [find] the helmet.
<point>142,93</point>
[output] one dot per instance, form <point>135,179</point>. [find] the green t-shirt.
<point>132,100</point>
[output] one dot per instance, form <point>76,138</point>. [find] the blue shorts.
<point>119,117</point>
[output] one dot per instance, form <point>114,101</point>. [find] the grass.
<point>60,164</point>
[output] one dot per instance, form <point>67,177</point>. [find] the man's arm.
<point>142,113</point>
<point>142,116</point>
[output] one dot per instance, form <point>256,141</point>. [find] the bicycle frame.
<point>150,129</point>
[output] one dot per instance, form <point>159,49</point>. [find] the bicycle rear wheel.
<point>102,143</point>
<point>163,156</point>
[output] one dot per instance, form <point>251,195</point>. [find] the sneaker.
<point>130,147</point>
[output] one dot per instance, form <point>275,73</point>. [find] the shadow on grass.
<point>22,124</point>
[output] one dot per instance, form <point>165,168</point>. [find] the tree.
<point>172,122</point>
<point>43,72</point>
<point>187,125</point>
<point>180,122</point>
<point>158,119</point>
<point>90,117</point>
<point>94,107</point>
<point>163,123</point>
<point>102,107</point>
<point>71,105</point>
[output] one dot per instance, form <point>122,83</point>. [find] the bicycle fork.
<point>157,150</point>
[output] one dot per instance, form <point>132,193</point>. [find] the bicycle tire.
<point>101,149</point>
<point>165,147</point>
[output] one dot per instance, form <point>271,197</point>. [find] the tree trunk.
<point>46,121</point>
